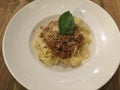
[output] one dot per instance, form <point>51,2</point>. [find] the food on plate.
<point>63,42</point>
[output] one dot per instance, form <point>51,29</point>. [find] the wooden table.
<point>9,7</point>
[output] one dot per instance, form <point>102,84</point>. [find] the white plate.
<point>91,75</point>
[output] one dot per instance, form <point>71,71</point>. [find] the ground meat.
<point>62,45</point>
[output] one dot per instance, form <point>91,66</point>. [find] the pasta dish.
<point>66,49</point>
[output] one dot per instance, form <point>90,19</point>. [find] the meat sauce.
<point>62,46</point>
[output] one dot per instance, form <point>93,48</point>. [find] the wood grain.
<point>9,7</point>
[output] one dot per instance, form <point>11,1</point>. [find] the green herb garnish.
<point>66,23</point>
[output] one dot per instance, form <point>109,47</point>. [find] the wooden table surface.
<point>9,7</point>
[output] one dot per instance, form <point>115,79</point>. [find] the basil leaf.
<point>66,23</point>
